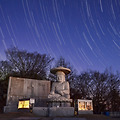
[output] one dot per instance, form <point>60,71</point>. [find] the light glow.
<point>24,104</point>
<point>84,105</point>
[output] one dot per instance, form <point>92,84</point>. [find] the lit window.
<point>23,104</point>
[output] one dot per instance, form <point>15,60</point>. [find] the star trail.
<point>85,32</point>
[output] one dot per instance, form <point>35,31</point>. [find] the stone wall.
<point>23,88</point>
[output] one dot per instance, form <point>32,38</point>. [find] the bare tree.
<point>5,70</point>
<point>25,64</point>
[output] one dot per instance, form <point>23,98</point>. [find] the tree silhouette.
<point>21,63</point>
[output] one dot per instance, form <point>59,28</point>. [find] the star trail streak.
<point>85,32</point>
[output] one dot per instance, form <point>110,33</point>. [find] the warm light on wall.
<point>85,105</point>
<point>24,104</point>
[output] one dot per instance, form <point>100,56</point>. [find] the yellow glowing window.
<point>23,104</point>
<point>81,106</point>
<point>89,106</point>
<point>85,105</point>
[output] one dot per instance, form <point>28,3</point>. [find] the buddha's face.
<point>60,78</point>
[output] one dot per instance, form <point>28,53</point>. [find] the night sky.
<point>85,32</point>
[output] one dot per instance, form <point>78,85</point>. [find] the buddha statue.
<point>60,90</point>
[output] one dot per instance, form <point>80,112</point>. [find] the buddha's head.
<point>60,72</point>
<point>60,76</point>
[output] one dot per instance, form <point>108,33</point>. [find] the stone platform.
<point>59,103</point>
<point>85,112</point>
<point>8,109</point>
<point>40,111</point>
<point>54,111</point>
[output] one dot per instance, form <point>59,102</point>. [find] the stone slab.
<point>61,111</point>
<point>10,109</point>
<point>20,88</point>
<point>40,111</point>
<point>85,112</point>
<point>23,88</point>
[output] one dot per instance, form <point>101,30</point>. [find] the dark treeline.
<point>102,88</point>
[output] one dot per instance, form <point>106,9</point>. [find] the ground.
<point>31,116</point>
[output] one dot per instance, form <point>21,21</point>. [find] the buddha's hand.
<point>52,92</point>
<point>61,93</point>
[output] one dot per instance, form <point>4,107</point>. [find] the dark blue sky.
<point>85,32</point>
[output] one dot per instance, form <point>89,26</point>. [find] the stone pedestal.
<point>61,111</point>
<point>54,111</point>
<point>41,111</point>
<point>59,103</point>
